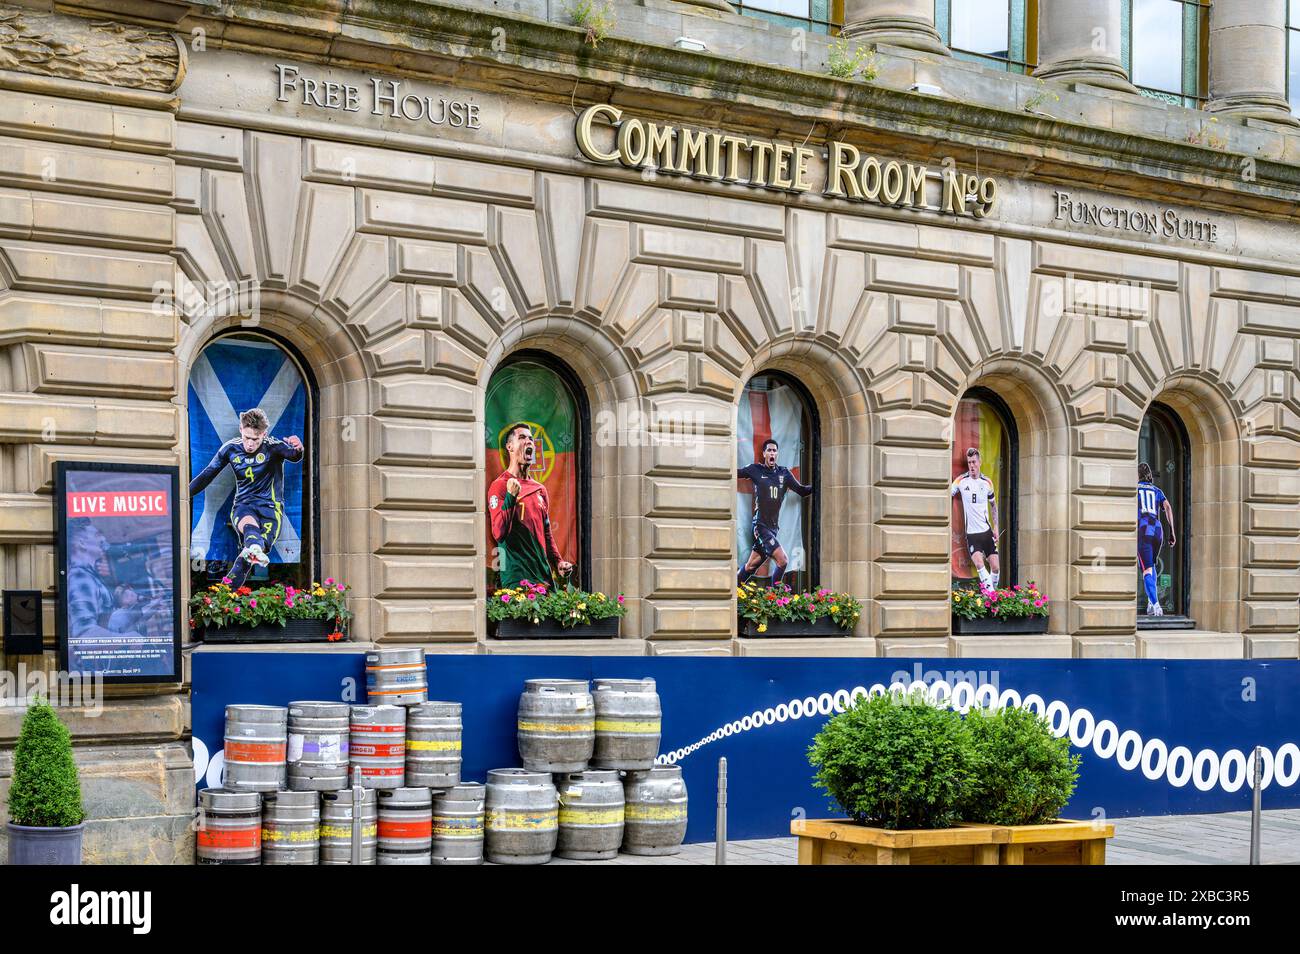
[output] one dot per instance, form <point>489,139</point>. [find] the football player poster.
<point>977,487</point>
<point>235,374</point>
<point>532,432</point>
<point>118,610</point>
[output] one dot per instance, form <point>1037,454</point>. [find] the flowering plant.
<point>570,606</point>
<point>276,603</point>
<point>1008,602</point>
<point>763,604</point>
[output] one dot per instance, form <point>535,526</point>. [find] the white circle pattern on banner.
<point>1153,757</point>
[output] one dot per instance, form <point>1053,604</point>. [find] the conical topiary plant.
<point>46,792</point>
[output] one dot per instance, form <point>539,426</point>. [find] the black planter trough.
<point>824,626</point>
<point>551,629</point>
<point>293,631</point>
<point>30,845</point>
<point>994,625</point>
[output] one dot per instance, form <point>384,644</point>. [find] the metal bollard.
<point>1257,786</point>
<point>358,798</point>
<point>720,839</point>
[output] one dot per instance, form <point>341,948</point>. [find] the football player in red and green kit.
<point>520,513</point>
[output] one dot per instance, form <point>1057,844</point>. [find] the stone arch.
<point>619,415</point>
<point>1217,544</point>
<point>840,399</point>
<point>342,415</point>
<point>1045,550</point>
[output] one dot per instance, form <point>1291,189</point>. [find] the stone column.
<point>1079,42</point>
<point>1248,59</point>
<point>908,23</point>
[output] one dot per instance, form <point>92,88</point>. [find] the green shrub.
<point>895,763</point>
<point>1024,774</point>
<point>45,792</point>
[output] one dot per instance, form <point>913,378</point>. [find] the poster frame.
<point>61,470</point>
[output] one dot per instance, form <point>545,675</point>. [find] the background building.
<point>373,216</point>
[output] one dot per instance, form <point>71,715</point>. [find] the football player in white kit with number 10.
<point>980,510</point>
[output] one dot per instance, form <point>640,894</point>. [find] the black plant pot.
<point>30,845</point>
<point>293,631</point>
<point>550,629</point>
<point>824,626</point>
<point>993,625</point>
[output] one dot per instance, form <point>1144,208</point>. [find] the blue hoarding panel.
<point>1156,737</point>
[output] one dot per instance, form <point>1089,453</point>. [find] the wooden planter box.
<point>993,625</point>
<point>293,631</point>
<point>549,629</point>
<point>821,628</point>
<point>832,842</point>
<point>1061,842</point>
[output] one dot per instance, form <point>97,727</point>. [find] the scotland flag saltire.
<point>229,377</point>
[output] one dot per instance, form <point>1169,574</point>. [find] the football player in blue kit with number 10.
<point>1151,502</point>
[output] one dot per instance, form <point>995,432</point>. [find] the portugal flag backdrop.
<point>529,391</point>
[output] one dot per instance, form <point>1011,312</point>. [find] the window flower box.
<point>1010,610</point>
<point>276,613</point>
<point>772,611</point>
<point>540,611</point>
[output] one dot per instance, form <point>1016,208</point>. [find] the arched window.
<point>1164,445</point>
<point>536,391</point>
<point>984,506</point>
<point>777,517</point>
<point>233,374</point>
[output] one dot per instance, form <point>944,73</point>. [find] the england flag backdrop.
<point>231,376</point>
<point>776,413</point>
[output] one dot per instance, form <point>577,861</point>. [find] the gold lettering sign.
<point>766,164</point>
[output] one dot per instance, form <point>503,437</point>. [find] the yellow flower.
<point>600,596</point>
<point>740,592</point>
<point>318,592</point>
<point>582,606</point>
<point>762,627</point>
<point>835,609</point>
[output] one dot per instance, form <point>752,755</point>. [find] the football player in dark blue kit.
<point>770,485</point>
<point>1151,502</point>
<point>258,511</point>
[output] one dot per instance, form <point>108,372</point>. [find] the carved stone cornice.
<point>93,51</point>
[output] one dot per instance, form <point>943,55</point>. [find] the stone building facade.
<point>402,190</point>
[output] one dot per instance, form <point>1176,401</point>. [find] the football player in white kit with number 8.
<point>980,510</point>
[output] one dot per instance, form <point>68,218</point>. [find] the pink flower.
<point>252,602</point>
<point>289,603</point>
<point>1039,603</point>
<point>289,591</point>
<point>339,587</point>
<point>234,609</point>
<point>329,581</point>
<point>525,583</point>
<point>505,597</point>
<point>207,601</point>
<point>532,596</point>
<point>620,599</point>
<point>227,580</point>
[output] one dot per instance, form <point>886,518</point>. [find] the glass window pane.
<point>532,393</point>
<point>1293,70</point>
<point>980,26</point>
<point>979,425</point>
<point>1158,44</point>
<point>233,374</point>
<point>771,408</point>
<point>791,8</point>
<point>1295,14</point>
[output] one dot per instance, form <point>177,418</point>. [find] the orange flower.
<point>335,637</point>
